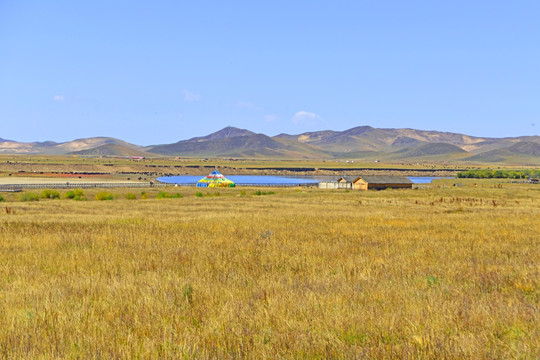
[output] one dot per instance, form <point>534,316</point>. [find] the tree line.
<point>499,174</point>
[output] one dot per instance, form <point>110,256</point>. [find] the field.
<point>441,272</point>
<point>25,165</point>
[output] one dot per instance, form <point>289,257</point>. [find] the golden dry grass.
<point>304,273</point>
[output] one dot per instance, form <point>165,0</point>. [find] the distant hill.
<point>526,148</point>
<point>222,142</point>
<point>405,141</point>
<point>359,142</point>
<point>431,150</point>
<point>521,152</point>
<point>111,150</point>
<point>232,142</point>
<point>309,136</point>
<point>367,138</point>
<point>53,148</point>
<point>225,133</point>
<point>362,142</point>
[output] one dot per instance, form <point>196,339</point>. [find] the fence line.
<point>67,185</point>
<point>249,185</point>
<point>279,185</point>
<point>19,187</point>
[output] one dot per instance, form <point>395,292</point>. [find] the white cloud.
<point>247,105</point>
<point>191,97</point>
<point>306,117</point>
<point>271,118</point>
<point>59,98</point>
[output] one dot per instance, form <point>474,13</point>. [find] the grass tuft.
<point>28,196</point>
<point>104,195</point>
<point>50,194</point>
<point>75,194</point>
<point>259,193</point>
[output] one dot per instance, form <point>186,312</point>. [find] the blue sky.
<point>163,71</point>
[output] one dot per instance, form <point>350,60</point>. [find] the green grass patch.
<point>260,193</point>
<point>166,195</point>
<point>104,195</point>
<point>75,194</point>
<point>29,197</point>
<point>163,195</point>
<point>50,194</point>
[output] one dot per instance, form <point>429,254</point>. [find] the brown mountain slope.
<point>526,148</point>
<point>53,148</point>
<point>366,138</point>
<point>234,142</point>
<point>519,153</point>
<point>111,150</point>
<point>443,151</point>
<point>362,142</point>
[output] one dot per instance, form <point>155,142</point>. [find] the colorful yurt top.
<point>215,179</point>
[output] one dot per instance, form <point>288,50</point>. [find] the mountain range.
<point>363,142</point>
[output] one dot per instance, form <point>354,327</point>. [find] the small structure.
<point>328,184</point>
<point>215,179</point>
<point>381,182</point>
<point>344,182</point>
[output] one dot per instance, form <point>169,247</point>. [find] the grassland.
<point>443,272</point>
<point>73,162</point>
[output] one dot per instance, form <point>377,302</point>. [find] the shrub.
<point>163,195</point>
<point>259,192</point>
<point>50,194</point>
<point>432,280</point>
<point>166,195</point>
<point>144,195</point>
<point>131,196</point>
<point>498,174</point>
<point>187,291</point>
<point>2,198</point>
<point>29,197</point>
<point>75,194</point>
<point>199,194</point>
<point>104,195</point>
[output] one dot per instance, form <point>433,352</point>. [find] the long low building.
<point>368,183</point>
<point>382,182</point>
